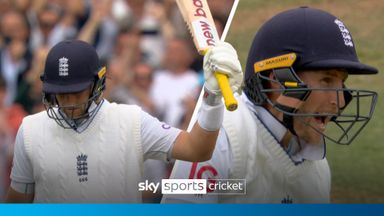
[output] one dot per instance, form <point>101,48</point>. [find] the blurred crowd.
<point>150,59</point>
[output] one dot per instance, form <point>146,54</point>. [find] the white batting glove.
<point>221,58</point>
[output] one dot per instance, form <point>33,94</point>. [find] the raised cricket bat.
<point>199,19</point>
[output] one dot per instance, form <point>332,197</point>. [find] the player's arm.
<point>195,146</point>
<point>198,145</point>
<point>16,197</point>
<point>22,184</point>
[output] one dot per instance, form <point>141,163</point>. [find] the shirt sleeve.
<point>157,138</point>
<point>217,168</point>
<point>22,173</point>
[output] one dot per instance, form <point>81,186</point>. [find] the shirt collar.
<point>298,151</point>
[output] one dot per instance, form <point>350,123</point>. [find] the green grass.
<point>357,169</point>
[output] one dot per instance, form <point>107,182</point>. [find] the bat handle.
<point>229,100</point>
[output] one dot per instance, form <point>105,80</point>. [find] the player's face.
<point>74,104</point>
<point>319,102</point>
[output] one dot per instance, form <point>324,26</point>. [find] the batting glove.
<point>221,58</point>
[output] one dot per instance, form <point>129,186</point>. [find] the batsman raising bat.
<point>86,149</point>
<point>197,15</point>
<point>295,98</point>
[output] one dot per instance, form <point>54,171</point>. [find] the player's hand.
<point>223,59</point>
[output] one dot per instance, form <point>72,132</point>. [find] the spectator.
<point>119,83</point>
<point>100,29</point>
<point>10,120</point>
<point>127,46</point>
<point>29,94</point>
<point>143,80</point>
<point>15,57</point>
<point>49,29</point>
<point>175,82</point>
<point>155,28</point>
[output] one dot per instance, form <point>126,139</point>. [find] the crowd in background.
<point>145,45</point>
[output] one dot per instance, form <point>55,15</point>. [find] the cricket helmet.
<point>307,39</point>
<point>72,66</point>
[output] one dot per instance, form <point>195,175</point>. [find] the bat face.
<point>199,19</point>
<point>205,36</point>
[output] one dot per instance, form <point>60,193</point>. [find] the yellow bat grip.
<point>229,100</point>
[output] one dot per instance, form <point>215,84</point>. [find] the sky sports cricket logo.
<point>195,186</point>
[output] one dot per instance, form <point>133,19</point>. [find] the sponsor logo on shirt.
<point>165,126</point>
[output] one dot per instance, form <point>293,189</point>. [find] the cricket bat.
<point>199,20</point>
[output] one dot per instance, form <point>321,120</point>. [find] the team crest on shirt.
<point>82,167</point>
<point>287,200</point>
